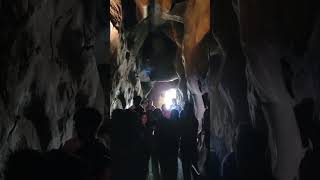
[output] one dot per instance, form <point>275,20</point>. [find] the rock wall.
<point>48,69</point>
<point>257,60</point>
<point>127,42</point>
<point>277,54</point>
<point>146,42</point>
<point>125,83</point>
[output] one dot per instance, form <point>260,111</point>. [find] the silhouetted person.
<point>144,146</point>
<point>156,117</point>
<point>163,108</point>
<point>251,155</point>
<point>53,165</point>
<point>26,164</point>
<point>308,125</point>
<point>64,166</point>
<point>309,167</point>
<point>204,144</point>
<point>150,106</point>
<point>175,105</point>
<point>168,146</point>
<point>87,146</point>
<point>136,107</point>
<point>165,111</point>
<point>188,145</point>
<point>144,104</point>
<point>120,144</point>
<point>136,146</point>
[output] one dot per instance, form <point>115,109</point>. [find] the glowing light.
<point>168,96</point>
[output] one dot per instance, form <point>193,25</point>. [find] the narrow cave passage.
<point>243,68</point>
<point>159,90</point>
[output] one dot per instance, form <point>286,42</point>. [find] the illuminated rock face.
<point>147,52</point>
<point>260,60</point>
<point>273,51</point>
<point>195,50</point>
<point>126,43</point>
<point>256,54</point>
<point>48,69</point>
<point>275,42</point>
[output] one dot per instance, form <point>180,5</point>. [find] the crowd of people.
<point>83,157</point>
<point>144,140</point>
<point>160,136</point>
<point>147,140</point>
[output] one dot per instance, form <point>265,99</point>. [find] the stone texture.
<point>47,70</point>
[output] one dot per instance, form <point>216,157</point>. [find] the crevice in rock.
<point>13,128</point>
<point>287,75</point>
<point>35,112</point>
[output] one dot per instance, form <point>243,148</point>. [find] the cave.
<point>245,73</point>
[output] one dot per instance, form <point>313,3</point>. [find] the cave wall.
<point>125,83</point>
<point>257,64</point>
<point>48,69</point>
<point>275,53</point>
<point>147,39</point>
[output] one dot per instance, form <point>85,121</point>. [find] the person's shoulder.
<point>182,114</point>
<point>100,146</point>
<point>71,145</point>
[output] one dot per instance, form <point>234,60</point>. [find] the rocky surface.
<point>124,45</point>
<point>258,66</point>
<point>258,62</point>
<point>271,53</point>
<point>48,69</point>
<point>146,45</point>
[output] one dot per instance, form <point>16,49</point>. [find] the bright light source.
<point>168,96</point>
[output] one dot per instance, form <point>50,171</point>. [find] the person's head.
<point>87,122</point>
<point>166,114</point>
<point>149,114</point>
<point>174,101</point>
<point>174,114</point>
<point>163,107</point>
<point>150,102</point>
<point>137,100</point>
<point>144,102</point>
<point>157,114</point>
<point>144,119</point>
